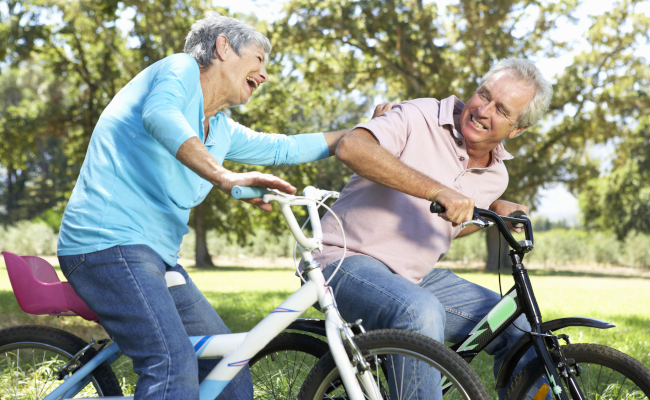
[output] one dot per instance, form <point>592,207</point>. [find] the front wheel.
<point>30,357</point>
<point>603,373</point>
<point>280,368</point>
<point>405,365</point>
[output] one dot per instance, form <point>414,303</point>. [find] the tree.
<point>603,96</point>
<point>412,50</point>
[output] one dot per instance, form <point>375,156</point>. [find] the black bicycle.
<point>569,371</point>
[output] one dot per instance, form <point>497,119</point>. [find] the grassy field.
<point>244,295</point>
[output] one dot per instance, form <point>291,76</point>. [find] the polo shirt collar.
<point>452,105</point>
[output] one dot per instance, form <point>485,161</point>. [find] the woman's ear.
<point>222,50</point>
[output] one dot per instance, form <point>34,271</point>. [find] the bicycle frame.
<point>237,349</point>
<point>520,299</point>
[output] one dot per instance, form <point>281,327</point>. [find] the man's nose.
<point>485,109</point>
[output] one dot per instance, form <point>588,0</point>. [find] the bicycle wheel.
<point>394,356</point>
<point>605,373</point>
<point>30,357</point>
<point>280,368</point>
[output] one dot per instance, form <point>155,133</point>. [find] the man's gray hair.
<point>201,42</point>
<point>527,72</point>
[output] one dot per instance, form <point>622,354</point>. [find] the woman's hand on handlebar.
<point>458,208</point>
<point>230,179</point>
<point>503,207</point>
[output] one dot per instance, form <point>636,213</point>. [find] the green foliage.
<point>467,249</point>
<point>620,200</point>
<point>541,224</point>
<point>262,243</point>
<point>561,246</point>
<point>28,238</point>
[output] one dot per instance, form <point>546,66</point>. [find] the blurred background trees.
<point>63,61</point>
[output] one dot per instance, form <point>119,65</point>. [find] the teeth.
<point>478,124</point>
<point>253,81</point>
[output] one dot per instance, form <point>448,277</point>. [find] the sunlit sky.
<point>556,202</point>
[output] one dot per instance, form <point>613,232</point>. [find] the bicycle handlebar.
<point>247,192</point>
<point>518,218</point>
<point>311,197</point>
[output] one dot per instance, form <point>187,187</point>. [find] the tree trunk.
<point>201,254</point>
<point>492,240</point>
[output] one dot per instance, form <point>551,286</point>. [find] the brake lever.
<point>480,222</point>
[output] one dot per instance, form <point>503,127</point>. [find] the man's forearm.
<point>360,151</point>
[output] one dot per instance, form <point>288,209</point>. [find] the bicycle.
<point>578,371</point>
<point>47,363</point>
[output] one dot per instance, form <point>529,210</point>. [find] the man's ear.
<point>223,49</point>
<point>515,132</point>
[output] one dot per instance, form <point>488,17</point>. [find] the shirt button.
<point>460,142</point>
<point>462,158</point>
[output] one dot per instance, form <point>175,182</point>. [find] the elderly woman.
<point>155,153</point>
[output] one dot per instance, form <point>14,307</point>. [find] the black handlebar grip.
<point>437,208</point>
<point>518,214</point>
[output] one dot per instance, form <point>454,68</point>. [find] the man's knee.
<point>425,316</point>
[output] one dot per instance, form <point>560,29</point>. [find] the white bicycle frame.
<point>237,349</point>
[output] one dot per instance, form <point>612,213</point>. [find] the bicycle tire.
<point>280,368</point>
<point>596,361</point>
<point>380,348</point>
<point>43,350</point>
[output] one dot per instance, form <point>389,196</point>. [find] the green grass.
<point>243,296</point>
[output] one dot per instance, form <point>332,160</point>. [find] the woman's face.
<point>244,74</point>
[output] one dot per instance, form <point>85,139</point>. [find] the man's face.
<point>488,117</point>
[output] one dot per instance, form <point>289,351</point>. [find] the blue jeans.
<point>126,287</point>
<point>443,306</point>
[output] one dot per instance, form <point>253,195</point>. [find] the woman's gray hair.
<point>528,73</point>
<point>201,42</point>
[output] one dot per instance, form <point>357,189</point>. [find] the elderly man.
<point>421,151</point>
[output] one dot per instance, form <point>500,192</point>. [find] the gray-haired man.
<point>421,151</point>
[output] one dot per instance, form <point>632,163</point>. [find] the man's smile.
<point>476,123</point>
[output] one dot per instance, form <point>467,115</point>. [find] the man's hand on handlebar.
<point>503,207</point>
<point>459,208</point>
<point>258,179</point>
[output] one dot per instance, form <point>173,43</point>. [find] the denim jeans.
<point>126,287</point>
<point>443,306</point>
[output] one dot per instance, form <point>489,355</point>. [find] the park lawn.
<point>244,295</point>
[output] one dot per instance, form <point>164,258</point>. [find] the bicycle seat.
<point>39,290</point>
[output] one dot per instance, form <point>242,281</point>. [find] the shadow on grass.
<point>242,311</point>
<point>550,272</point>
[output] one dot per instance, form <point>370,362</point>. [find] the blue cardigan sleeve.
<point>173,91</point>
<point>251,147</point>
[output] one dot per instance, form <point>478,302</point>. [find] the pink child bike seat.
<point>39,291</point>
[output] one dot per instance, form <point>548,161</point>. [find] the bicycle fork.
<point>534,315</point>
<point>337,332</point>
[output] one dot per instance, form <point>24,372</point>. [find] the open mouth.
<point>252,83</point>
<point>476,123</point>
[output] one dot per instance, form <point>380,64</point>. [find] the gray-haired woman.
<point>155,153</point>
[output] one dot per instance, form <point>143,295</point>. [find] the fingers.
<point>272,182</point>
<point>382,108</point>
<point>459,208</point>
<point>257,179</point>
<point>259,203</point>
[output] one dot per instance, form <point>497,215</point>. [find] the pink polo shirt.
<point>398,229</point>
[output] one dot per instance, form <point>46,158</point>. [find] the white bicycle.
<point>47,363</point>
